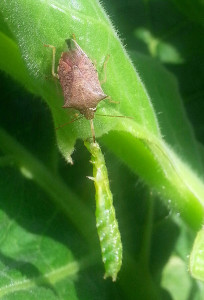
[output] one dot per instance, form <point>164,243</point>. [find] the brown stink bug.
<point>79,81</point>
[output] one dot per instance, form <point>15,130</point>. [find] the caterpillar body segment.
<point>106,223</point>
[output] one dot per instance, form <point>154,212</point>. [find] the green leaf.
<point>171,278</point>
<point>138,141</point>
<point>59,22</point>
<point>197,257</point>
<point>33,261</point>
<point>158,48</point>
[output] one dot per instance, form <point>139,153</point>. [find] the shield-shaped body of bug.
<point>106,223</point>
<point>79,81</point>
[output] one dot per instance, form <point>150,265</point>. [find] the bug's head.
<point>88,112</point>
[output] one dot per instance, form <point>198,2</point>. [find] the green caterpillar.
<point>106,223</point>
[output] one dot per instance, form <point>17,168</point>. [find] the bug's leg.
<point>77,117</point>
<point>125,117</point>
<point>92,130</point>
<point>53,60</point>
<point>105,70</point>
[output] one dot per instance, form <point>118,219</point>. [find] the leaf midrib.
<point>52,277</point>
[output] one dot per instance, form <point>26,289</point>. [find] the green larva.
<point>106,223</point>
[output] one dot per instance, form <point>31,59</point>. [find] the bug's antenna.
<point>92,130</point>
<point>126,117</point>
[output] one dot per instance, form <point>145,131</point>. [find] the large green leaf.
<point>31,47</point>
<point>60,20</point>
<point>32,259</point>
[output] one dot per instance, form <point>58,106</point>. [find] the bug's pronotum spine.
<point>106,223</point>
